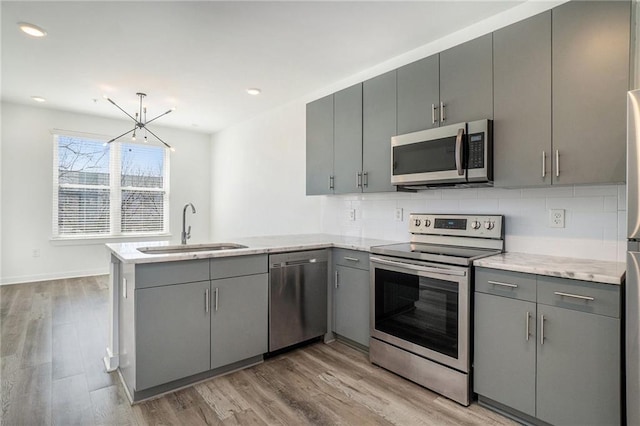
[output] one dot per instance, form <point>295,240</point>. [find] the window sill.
<point>77,241</point>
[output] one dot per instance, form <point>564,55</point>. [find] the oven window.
<point>420,310</point>
<point>422,157</point>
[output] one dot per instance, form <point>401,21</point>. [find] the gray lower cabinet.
<point>548,348</point>
<point>320,146</point>
<point>172,333</point>
<point>351,295</point>
<point>239,312</point>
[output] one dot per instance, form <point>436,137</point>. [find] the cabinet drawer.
<point>515,285</point>
<point>237,266</point>
<point>601,299</point>
<point>352,258</point>
<point>166,273</point>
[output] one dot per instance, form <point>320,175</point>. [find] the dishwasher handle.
<point>296,263</point>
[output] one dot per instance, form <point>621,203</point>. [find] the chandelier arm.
<point>156,136</point>
<point>117,106</point>
<point>124,134</point>
<point>155,118</point>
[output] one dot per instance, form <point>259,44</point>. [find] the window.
<point>109,190</point>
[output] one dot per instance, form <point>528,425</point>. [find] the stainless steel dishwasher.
<point>297,297</point>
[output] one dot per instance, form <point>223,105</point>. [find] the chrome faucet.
<point>186,234</point>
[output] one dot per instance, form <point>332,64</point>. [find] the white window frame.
<point>115,191</point>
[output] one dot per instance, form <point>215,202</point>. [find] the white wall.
<point>27,169</point>
<point>258,184</point>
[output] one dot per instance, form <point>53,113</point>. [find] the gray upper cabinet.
<point>378,126</point>
<point>172,332</point>
<point>466,81</point>
<point>590,80</point>
<point>320,146</point>
<point>522,103</point>
<point>348,140</point>
<point>419,95</point>
<point>239,318</point>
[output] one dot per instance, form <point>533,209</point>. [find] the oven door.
<point>423,308</point>
<point>429,157</point>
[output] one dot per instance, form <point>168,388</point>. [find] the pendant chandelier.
<point>140,122</point>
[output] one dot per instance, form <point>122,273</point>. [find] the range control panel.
<point>483,226</point>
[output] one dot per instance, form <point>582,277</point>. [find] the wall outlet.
<point>556,218</point>
<point>352,214</point>
<point>399,214</point>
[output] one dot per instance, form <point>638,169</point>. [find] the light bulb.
<point>133,138</point>
<point>172,149</point>
<point>32,30</point>
<point>145,140</point>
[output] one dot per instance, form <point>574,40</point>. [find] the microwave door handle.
<point>459,164</point>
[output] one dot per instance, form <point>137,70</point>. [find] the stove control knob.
<point>417,222</point>
<point>488,224</point>
<point>427,223</point>
<point>475,224</point>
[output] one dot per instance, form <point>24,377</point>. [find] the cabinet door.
<point>466,81</point>
<point>352,304</point>
<point>348,140</point>
<point>378,126</point>
<point>590,80</point>
<point>578,368</point>
<point>418,92</point>
<point>172,333</point>
<point>239,318</point>
<point>504,364</point>
<point>522,103</point>
<point>320,146</point>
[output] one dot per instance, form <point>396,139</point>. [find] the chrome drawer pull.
<point>527,326</point>
<point>541,329</point>
<point>503,284</point>
<point>575,296</point>
<point>353,259</point>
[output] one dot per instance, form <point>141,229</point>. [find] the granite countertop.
<point>564,267</point>
<point>128,252</point>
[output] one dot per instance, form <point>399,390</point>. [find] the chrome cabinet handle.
<point>544,164</point>
<point>359,179</point>
<point>331,180</point>
<point>206,300</point>
<point>503,284</point>
<point>366,179</point>
<point>575,296</point>
<point>527,333</point>
<point>433,113</point>
<point>215,306</point>
<point>542,329</point>
<point>442,113</point>
<point>336,279</point>
<point>459,152</point>
<point>557,162</point>
<point>352,259</point>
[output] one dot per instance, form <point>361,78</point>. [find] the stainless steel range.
<point>421,299</point>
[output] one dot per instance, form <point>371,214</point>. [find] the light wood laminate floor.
<point>53,338</point>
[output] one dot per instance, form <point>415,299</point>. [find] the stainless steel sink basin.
<point>190,248</point>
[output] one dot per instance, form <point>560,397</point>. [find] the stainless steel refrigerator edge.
<point>632,295</point>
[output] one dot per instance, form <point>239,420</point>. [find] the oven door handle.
<point>418,268</point>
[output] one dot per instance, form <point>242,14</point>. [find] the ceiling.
<point>202,56</point>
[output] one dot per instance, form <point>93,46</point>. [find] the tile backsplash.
<point>595,216</point>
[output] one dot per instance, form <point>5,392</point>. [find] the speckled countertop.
<point>128,252</point>
<point>554,266</point>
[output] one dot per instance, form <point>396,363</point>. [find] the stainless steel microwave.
<point>458,154</point>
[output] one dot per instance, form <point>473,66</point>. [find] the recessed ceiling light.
<point>32,30</point>
<point>38,98</point>
<point>254,91</point>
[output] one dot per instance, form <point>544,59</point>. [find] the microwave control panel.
<point>476,150</point>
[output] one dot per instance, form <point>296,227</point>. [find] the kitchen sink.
<point>190,248</point>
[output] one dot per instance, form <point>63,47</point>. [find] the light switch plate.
<point>556,218</point>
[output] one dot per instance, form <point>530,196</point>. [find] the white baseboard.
<point>52,276</point>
